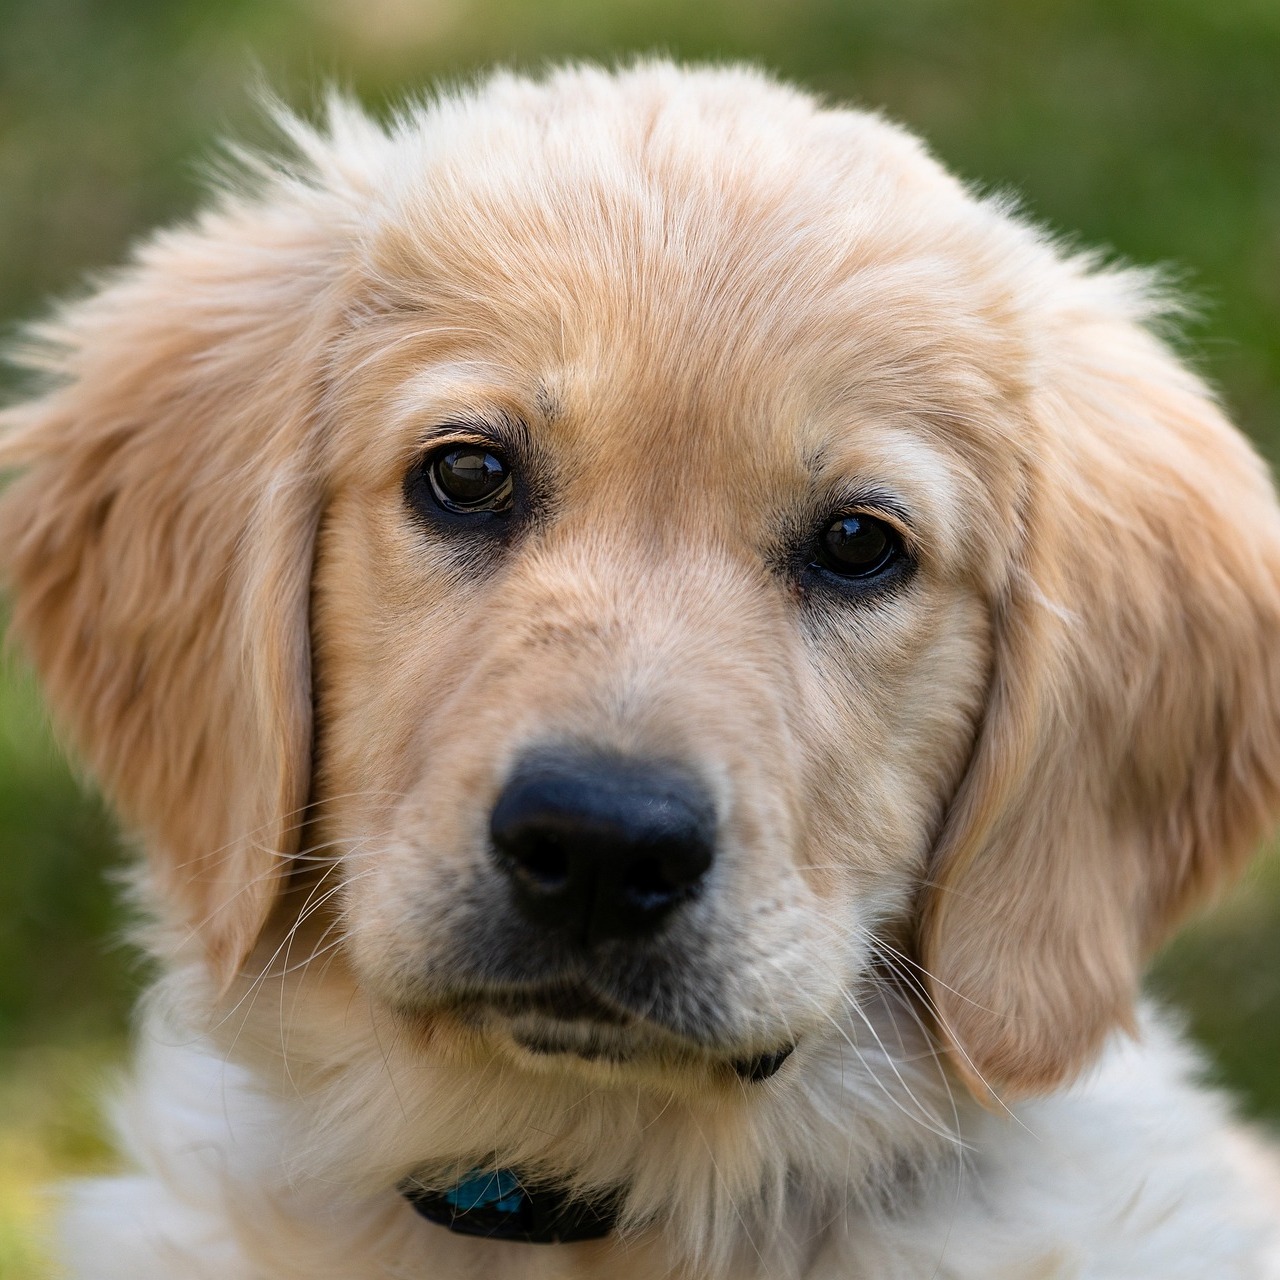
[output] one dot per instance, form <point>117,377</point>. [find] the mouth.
<point>567,1002</point>
<point>570,1019</point>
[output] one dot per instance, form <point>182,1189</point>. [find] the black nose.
<point>600,848</point>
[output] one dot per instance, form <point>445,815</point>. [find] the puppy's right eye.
<point>464,479</point>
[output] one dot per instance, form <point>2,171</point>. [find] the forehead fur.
<point>714,216</point>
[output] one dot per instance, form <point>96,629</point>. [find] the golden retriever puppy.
<point>670,664</point>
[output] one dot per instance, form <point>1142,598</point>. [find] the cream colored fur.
<point>955,817</point>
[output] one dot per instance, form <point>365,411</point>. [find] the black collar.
<point>501,1205</point>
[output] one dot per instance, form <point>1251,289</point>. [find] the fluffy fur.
<point>700,313</point>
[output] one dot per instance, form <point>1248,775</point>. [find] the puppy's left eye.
<point>859,547</point>
<point>469,478</point>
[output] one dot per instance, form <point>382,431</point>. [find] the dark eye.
<point>858,546</point>
<point>469,477</point>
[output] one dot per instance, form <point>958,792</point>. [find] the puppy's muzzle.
<point>600,848</point>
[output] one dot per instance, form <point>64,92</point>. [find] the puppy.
<point>670,664</point>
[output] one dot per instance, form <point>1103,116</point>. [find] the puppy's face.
<point>650,644</point>
<point>688,558</point>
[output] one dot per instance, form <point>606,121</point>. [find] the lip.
<point>568,1018</point>
<point>559,1002</point>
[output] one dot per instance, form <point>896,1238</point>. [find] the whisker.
<point>724,1185</point>
<point>881,947</point>
<point>205,920</point>
<point>265,971</point>
<point>926,1118</point>
<point>304,813</point>
<point>386,1057</point>
<point>915,964</point>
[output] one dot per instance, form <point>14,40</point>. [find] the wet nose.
<point>598,848</point>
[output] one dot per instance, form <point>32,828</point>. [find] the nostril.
<point>647,885</point>
<point>542,863</point>
<point>653,881</point>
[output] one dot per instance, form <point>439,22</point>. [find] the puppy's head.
<point>678,556</point>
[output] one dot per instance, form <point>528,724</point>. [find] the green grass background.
<point>1149,126</point>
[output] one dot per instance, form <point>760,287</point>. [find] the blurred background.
<point>1148,126</point>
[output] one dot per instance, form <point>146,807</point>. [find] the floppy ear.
<point>1130,752</point>
<point>157,543</point>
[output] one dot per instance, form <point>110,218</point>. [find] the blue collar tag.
<point>499,1205</point>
